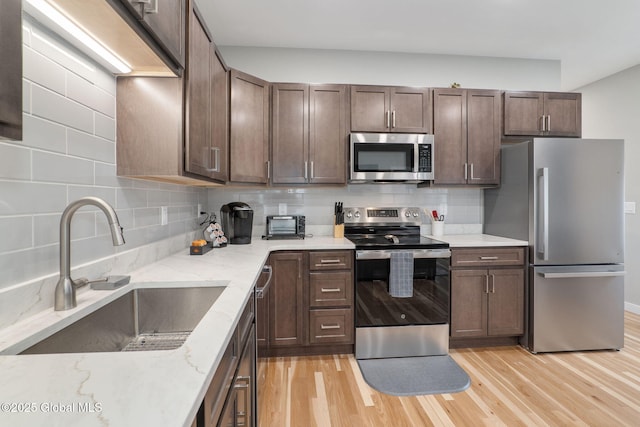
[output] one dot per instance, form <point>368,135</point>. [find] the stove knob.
<point>357,214</point>
<point>407,214</point>
<point>415,214</point>
<point>349,214</point>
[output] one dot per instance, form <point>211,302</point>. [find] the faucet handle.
<point>80,282</point>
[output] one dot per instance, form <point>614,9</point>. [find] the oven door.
<point>429,304</point>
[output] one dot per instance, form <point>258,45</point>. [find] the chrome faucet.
<point>65,296</point>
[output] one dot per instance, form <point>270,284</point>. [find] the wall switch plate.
<point>164,215</point>
<point>282,208</point>
<point>630,207</point>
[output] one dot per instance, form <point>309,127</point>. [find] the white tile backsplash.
<point>68,152</point>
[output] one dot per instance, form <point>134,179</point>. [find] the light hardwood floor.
<point>509,387</point>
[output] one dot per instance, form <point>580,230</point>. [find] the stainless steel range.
<point>402,284</point>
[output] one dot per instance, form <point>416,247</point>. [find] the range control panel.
<point>369,215</point>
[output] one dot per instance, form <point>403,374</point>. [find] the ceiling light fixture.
<point>72,29</point>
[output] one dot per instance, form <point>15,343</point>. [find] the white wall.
<point>385,68</point>
<point>68,151</point>
<point>611,109</point>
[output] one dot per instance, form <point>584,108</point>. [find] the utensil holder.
<point>437,228</point>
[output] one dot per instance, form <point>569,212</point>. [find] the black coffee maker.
<point>237,222</point>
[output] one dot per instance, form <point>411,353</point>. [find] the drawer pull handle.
<point>325,327</point>
<point>327,290</point>
<point>330,261</point>
<point>489,258</point>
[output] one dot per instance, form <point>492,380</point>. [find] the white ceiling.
<point>591,38</point>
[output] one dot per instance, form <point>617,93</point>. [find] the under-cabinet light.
<point>67,25</point>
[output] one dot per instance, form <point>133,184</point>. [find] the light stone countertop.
<point>160,388</point>
<point>152,387</point>
<point>477,240</point>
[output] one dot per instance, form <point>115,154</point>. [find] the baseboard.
<point>634,308</point>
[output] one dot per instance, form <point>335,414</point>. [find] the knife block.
<point>338,230</point>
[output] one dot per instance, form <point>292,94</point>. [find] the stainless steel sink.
<point>142,319</point>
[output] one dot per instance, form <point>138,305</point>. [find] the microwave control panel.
<point>424,158</point>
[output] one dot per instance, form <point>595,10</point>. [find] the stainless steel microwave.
<point>285,227</point>
<point>389,157</point>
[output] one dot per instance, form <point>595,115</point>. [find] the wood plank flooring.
<point>510,387</point>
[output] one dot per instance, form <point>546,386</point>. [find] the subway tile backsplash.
<point>68,152</point>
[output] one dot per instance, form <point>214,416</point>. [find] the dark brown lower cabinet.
<point>230,400</point>
<point>487,304</point>
<point>308,308</point>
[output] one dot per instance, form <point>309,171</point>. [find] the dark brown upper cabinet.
<point>390,109</point>
<point>165,21</point>
<point>466,127</point>
<point>249,132</point>
<point>11,70</point>
<point>207,105</point>
<point>309,134</point>
<point>542,114</point>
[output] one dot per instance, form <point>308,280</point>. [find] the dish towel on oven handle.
<point>401,274</point>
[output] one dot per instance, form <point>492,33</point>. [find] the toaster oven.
<point>285,227</point>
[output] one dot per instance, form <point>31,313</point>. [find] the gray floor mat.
<point>410,376</point>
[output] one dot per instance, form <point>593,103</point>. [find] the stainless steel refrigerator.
<point>565,196</point>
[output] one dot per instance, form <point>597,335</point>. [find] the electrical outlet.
<point>164,215</point>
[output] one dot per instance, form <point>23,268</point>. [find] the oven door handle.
<point>417,253</point>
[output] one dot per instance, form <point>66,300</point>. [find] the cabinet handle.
<point>393,119</point>
<point>486,284</point>
<point>472,177</point>
<point>325,327</point>
<point>387,118</point>
<point>493,284</point>
<point>268,162</point>
<point>261,291</point>
<point>148,10</point>
<point>242,412</point>
<point>311,164</point>
<point>465,171</point>
<point>543,124</point>
<point>215,161</point>
<point>328,290</point>
<point>489,258</point>
<point>548,123</point>
<point>305,169</point>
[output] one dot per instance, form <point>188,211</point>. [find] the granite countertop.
<point>136,388</point>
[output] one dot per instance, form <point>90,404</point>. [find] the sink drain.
<point>157,341</point>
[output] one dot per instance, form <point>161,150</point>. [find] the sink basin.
<point>142,319</point>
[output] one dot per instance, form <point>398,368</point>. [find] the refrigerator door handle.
<point>543,223</point>
<point>582,274</point>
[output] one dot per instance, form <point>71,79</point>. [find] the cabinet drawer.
<point>487,257</point>
<point>331,288</point>
<point>331,326</point>
<point>330,260</point>
<point>221,382</point>
<point>246,320</point>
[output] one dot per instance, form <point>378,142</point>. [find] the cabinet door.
<point>409,109</point>
<point>484,110</point>
<point>370,109</point>
<point>450,136</point>
<point>199,93</point>
<point>286,302</point>
<point>523,113</point>
<point>220,119</point>
<point>469,303</point>
<point>290,134</point>
<point>564,111</point>
<point>249,132</point>
<point>328,134</point>
<point>506,302</point>
<point>11,70</point>
<point>166,21</point>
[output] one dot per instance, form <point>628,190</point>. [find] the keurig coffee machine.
<point>237,222</point>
